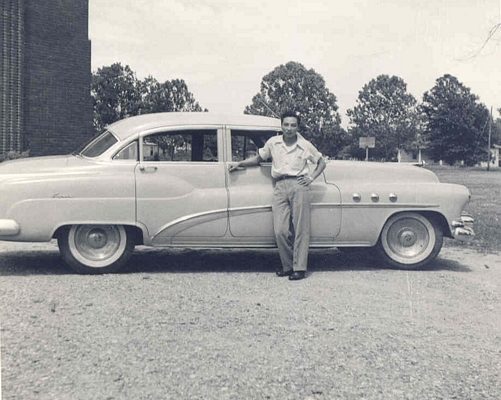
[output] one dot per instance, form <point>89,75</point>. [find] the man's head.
<point>290,114</point>
<point>290,124</point>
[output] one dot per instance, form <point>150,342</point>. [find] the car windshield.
<point>98,145</point>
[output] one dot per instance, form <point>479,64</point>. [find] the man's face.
<point>289,127</point>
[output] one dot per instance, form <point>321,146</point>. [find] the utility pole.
<point>489,143</point>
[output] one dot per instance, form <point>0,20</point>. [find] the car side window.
<point>245,143</point>
<point>129,152</point>
<point>183,145</point>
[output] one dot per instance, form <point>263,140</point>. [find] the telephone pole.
<point>489,143</point>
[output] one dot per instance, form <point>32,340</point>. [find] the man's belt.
<point>282,177</point>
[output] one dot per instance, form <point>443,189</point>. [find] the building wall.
<point>55,75</point>
<point>11,64</point>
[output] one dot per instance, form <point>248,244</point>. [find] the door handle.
<point>144,169</point>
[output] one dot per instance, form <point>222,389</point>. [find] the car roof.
<point>129,126</point>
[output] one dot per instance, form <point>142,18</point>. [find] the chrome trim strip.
<point>216,213</point>
<point>263,207</point>
<point>211,213</point>
<point>342,205</point>
<point>249,208</point>
<point>394,205</point>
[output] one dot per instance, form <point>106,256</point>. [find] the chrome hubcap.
<point>97,243</point>
<point>408,237</point>
<point>97,239</point>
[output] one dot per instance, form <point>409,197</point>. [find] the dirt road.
<point>221,325</point>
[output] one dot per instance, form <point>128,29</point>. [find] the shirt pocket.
<point>298,161</point>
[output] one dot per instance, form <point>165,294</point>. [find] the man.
<point>290,154</point>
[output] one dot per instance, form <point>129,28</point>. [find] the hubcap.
<point>408,238</point>
<point>97,242</point>
<point>97,239</point>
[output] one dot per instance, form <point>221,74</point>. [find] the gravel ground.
<point>220,325</point>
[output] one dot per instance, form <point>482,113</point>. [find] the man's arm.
<point>249,162</point>
<point>306,180</point>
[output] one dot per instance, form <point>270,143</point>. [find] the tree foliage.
<point>293,87</point>
<point>496,130</point>
<point>168,96</point>
<point>384,109</point>
<point>117,93</point>
<point>456,125</point>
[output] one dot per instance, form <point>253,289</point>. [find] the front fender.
<point>40,203</point>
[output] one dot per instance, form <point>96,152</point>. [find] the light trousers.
<point>291,223</point>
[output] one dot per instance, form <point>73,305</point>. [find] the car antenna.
<point>269,109</point>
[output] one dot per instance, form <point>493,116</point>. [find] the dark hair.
<point>294,114</point>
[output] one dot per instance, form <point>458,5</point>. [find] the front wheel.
<point>410,240</point>
<point>95,249</point>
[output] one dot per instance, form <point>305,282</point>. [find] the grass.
<point>485,204</point>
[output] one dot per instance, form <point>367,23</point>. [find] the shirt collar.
<point>300,142</point>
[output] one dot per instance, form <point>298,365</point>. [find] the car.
<point>162,180</point>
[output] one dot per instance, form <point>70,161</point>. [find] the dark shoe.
<point>297,275</point>
<point>281,272</point>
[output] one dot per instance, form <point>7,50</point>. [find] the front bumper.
<point>462,228</point>
<point>8,227</point>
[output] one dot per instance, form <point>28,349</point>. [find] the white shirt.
<point>289,160</point>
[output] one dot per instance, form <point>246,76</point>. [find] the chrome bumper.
<point>462,228</point>
<point>8,227</point>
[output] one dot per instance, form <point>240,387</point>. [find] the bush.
<point>12,155</point>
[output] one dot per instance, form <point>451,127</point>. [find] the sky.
<point>223,48</point>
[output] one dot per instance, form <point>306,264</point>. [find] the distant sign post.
<point>367,142</point>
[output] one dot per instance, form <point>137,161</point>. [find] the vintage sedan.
<point>162,180</point>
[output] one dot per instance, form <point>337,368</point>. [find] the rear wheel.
<point>95,249</point>
<point>410,240</point>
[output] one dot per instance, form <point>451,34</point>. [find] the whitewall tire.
<point>95,249</point>
<point>410,240</point>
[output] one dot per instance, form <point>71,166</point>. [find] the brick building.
<point>45,72</point>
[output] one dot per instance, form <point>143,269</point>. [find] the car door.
<point>251,191</point>
<point>180,186</point>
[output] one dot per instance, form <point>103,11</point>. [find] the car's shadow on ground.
<point>48,262</point>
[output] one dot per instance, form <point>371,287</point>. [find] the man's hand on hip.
<point>305,180</point>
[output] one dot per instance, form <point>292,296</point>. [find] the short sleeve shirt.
<point>292,160</point>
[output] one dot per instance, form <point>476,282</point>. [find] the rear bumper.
<point>8,227</point>
<point>462,228</point>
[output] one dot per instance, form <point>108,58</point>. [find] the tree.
<point>168,96</point>
<point>455,124</point>
<point>384,109</point>
<point>117,94</point>
<point>496,130</point>
<point>293,87</point>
